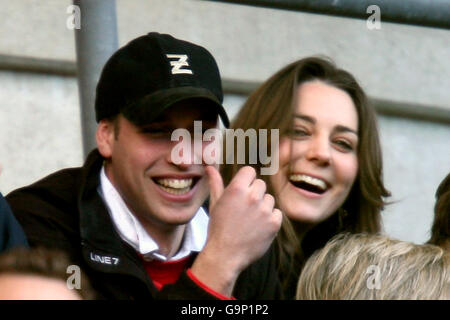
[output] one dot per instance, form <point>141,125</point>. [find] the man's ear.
<point>105,138</point>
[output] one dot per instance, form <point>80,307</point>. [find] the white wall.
<point>39,127</point>
<point>416,159</point>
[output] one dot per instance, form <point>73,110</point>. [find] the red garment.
<point>206,288</point>
<point>166,272</point>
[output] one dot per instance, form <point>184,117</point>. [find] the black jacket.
<point>65,211</point>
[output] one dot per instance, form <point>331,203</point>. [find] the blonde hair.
<point>375,267</point>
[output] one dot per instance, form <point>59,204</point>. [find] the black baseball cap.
<point>153,72</point>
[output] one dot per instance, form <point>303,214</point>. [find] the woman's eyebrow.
<point>305,118</point>
<point>341,128</point>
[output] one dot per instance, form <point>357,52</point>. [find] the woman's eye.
<point>347,146</point>
<point>298,133</point>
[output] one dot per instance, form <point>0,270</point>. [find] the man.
<point>11,233</point>
<point>132,217</point>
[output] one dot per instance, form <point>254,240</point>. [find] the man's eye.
<point>156,131</point>
<point>206,129</point>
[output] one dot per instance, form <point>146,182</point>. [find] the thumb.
<point>215,185</point>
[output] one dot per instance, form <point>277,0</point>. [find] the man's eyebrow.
<point>156,125</point>
<point>338,128</point>
<point>209,121</point>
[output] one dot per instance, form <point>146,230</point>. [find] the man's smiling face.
<point>160,193</point>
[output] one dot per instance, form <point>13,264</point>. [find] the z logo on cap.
<point>178,64</point>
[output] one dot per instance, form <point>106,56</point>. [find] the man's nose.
<point>185,154</point>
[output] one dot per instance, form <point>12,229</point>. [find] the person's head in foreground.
<point>440,231</point>
<point>330,164</point>
<point>375,267</point>
<point>41,274</point>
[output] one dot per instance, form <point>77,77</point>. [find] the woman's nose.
<point>319,151</point>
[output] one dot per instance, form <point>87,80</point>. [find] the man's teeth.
<point>175,186</point>
<point>310,180</point>
<point>175,183</point>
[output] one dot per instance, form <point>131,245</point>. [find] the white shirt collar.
<point>132,231</point>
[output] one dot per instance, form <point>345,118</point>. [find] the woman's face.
<point>318,160</point>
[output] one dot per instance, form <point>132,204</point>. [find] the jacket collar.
<point>102,247</point>
<point>133,232</point>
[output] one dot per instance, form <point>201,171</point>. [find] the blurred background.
<point>405,69</point>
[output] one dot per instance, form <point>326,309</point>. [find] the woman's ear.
<point>105,138</point>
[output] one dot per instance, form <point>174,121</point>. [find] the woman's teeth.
<point>175,186</point>
<point>319,183</point>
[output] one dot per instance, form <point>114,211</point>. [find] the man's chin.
<point>178,216</point>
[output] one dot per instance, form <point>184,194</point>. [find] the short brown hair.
<point>42,262</point>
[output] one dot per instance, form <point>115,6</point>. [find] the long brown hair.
<point>271,106</point>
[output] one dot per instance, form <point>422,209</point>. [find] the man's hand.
<point>243,223</point>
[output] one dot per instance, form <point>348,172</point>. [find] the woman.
<point>330,166</point>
